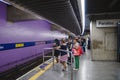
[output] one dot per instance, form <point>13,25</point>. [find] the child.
<point>77,51</point>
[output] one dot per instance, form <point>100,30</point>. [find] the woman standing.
<point>77,51</point>
<point>63,55</point>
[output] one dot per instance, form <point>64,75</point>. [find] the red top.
<point>78,51</point>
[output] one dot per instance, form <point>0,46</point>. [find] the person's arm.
<point>74,51</point>
<point>58,47</point>
<point>71,46</point>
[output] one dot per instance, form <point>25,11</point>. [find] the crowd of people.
<point>75,45</point>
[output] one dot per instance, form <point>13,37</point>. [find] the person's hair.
<point>57,41</point>
<point>76,39</point>
<point>84,40</point>
<point>70,37</point>
<point>63,41</point>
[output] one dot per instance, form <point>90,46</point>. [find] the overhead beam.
<point>112,4</point>
<point>114,15</point>
<point>15,15</point>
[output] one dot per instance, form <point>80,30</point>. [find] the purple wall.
<point>26,31</point>
<point>2,14</point>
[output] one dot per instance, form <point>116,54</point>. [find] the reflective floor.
<point>89,70</point>
<point>97,70</point>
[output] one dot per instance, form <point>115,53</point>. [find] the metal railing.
<point>52,56</point>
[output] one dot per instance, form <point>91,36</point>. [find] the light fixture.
<point>5,2</point>
<point>83,15</point>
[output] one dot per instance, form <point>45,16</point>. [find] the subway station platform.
<point>89,70</point>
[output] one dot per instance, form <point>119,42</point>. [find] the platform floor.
<point>89,70</point>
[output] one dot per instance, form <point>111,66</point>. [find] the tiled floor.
<point>97,70</point>
<point>89,70</point>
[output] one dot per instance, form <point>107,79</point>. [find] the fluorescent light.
<point>83,14</point>
<point>5,2</point>
<point>54,34</point>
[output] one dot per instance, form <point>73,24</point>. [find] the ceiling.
<point>15,15</point>
<point>103,9</point>
<point>64,13</point>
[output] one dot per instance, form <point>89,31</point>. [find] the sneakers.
<point>63,70</point>
<point>75,69</point>
<point>68,63</point>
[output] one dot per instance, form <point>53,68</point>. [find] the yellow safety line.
<point>41,72</point>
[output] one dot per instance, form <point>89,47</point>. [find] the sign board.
<point>107,23</point>
<point>8,46</point>
<point>18,45</point>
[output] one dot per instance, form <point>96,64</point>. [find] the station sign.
<point>107,23</point>
<point>8,46</point>
<point>18,45</point>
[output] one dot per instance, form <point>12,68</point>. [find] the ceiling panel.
<point>102,6</point>
<point>60,12</point>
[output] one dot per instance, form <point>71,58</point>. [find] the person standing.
<point>63,55</point>
<point>77,51</point>
<point>56,52</point>
<point>83,45</point>
<point>88,42</point>
<point>70,45</point>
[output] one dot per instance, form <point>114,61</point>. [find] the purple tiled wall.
<point>26,31</point>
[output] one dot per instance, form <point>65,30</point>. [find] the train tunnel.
<point>28,29</point>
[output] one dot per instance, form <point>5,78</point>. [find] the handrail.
<point>63,50</point>
<point>58,50</point>
<point>48,48</point>
<point>60,55</point>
